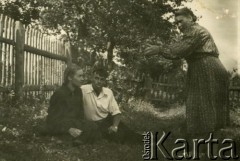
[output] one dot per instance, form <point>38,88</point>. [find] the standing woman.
<point>207,79</point>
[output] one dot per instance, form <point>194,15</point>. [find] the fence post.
<point>19,66</point>
<point>2,18</point>
<point>68,52</point>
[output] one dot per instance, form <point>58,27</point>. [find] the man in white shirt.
<point>101,107</point>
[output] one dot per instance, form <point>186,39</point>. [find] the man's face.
<point>98,81</point>
<point>77,78</point>
<point>183,21</point>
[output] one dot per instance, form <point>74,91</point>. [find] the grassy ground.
<point>20,139</point>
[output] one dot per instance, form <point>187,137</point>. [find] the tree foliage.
<point>112,26</point>
<point>101,25</point>
<point>25,11</point>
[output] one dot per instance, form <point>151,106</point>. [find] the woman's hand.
<point>75,132</point>
<point>151,50</point>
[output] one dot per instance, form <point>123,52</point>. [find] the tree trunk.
<point>110,47</point>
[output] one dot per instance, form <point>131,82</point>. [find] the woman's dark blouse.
<point>65,110</point>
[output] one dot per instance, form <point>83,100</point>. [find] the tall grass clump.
<point>143,116</point>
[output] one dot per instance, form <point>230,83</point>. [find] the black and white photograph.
<point>119,80</point>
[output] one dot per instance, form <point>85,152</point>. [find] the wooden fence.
<point>234,90</point>
<point>167,91</point>
<point>30,62</point>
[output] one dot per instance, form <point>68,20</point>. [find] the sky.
<point>221,18</point>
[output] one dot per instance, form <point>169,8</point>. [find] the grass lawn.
<point>20,141</point>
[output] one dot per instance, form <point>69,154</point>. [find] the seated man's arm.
<point>116,114</point>
<point>116,121</point>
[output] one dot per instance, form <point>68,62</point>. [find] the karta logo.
<point>154,146</point>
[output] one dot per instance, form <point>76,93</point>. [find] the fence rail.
<point>169,92</point>
<point>234,90</point>
<point>30,61</point>
<point>164,90</point>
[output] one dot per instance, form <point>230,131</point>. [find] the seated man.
<point>99,103</point>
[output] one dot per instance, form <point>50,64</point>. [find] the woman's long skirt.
<point>207,96</point>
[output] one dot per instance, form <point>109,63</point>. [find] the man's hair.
<point>100,71</point>
<point>185,12</point>
<point>70,71</point>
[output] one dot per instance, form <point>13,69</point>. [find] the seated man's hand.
<point>112,129</point>
<point>75,132</point>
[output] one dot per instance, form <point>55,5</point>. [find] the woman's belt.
<point>199,55</point>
